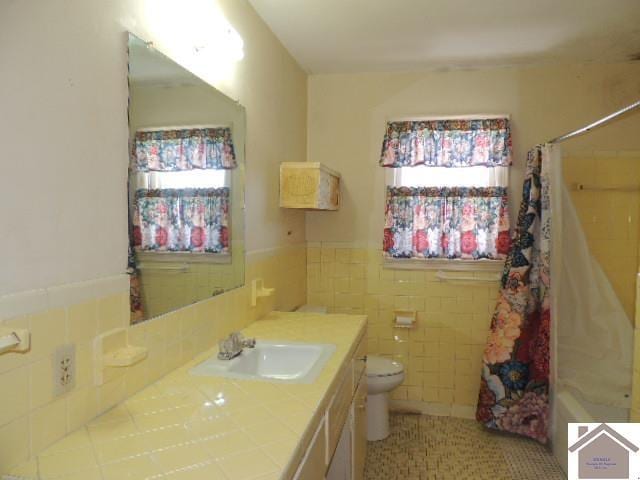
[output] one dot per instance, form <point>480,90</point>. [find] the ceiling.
<point>329,36</point>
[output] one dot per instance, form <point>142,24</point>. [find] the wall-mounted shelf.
<point>309,186</point>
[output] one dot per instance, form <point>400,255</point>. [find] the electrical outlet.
<point>64,369</point>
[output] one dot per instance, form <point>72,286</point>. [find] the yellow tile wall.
<point>164,291</point>
<point>442,355</point>
<point>609,218</point>
<point>31,418</point>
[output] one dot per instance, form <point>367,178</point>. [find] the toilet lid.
<point>382,367</point>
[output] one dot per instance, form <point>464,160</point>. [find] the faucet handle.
<point>249,343</point>
<point>236,338</point>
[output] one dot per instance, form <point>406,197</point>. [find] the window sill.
<point>443,264</point>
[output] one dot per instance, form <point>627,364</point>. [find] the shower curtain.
<point>593,334</point>
<point>514,390</point>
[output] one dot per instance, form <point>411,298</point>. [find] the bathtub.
<point>570,406</point>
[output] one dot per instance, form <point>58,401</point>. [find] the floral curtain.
<point>447,143</point>
<point>182,220</point>
<point>187,149</point>
<point>136,306</point>
<point>514,391</point>
<point>446,222</point>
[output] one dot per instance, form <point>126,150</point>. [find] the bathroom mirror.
<point>186,186</point>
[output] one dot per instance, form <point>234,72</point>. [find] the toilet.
<point>383,375</point>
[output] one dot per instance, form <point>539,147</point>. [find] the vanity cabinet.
<point>359,430</point>
<point>338,448</point>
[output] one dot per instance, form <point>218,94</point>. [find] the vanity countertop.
<point>190,427</point>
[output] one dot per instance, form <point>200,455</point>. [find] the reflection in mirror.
<point>186,186</point>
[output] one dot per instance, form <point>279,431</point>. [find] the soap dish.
<point>125,357</point>
<point>112,351</point>
<point>258,290</point>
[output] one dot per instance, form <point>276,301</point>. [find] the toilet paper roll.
<point>400,320</point>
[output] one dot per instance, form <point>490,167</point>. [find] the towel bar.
<point>443,277</point>
<point>14,340</point>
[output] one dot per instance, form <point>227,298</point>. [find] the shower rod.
<point>595,124</point>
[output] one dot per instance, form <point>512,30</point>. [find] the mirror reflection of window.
<point>188,179</point>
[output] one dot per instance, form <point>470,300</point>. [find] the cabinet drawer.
<point>337,413</point>
<point>314,463</point>
<point>359,361</point>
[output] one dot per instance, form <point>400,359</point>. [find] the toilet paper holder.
<point>404,318</point>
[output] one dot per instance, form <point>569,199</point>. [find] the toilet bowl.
<point>383,375</point>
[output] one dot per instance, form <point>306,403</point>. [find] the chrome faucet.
<point>233,345</point>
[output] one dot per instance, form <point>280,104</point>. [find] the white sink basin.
<point>282,362</point>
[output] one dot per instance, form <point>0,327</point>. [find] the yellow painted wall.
<point>347,115</point>
<point>609,218</point>
<point>65,66</point>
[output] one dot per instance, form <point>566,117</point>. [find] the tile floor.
<point>423,447</point>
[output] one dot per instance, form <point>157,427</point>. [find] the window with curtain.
<point>447,191</point>
<point>182,196</point>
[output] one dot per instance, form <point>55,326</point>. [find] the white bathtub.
<point>569,406</point>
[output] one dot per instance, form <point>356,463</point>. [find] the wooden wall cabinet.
<point>309,185</point>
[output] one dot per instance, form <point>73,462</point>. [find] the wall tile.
<point>14,386</point>
<point>48,331</point>
<point>31,418</point>
<point>82,321</point>
<point>14,443</point>
<point>48,424</point>
<point>442,355</point>
<point>609,218</point>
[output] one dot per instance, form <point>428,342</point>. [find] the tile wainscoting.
<point>442,354</point>
<point>32,418</point>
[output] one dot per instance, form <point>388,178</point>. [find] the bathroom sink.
<point>272,361</point>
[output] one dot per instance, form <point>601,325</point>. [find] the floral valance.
<point>187,149</point>
<point>182,220</point>
<point>446,222</point>
<point>447,143</point>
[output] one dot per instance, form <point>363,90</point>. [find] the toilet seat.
<point>382,367</point>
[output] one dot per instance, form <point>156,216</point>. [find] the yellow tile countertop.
<point>210,428</point>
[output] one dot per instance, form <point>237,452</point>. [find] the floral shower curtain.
<point>446,222</point>
<point>447,143</point>
<point>514,390</point>
<point>182,220</point>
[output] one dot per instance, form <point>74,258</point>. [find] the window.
<point>447,190</point>
<point>422,176</point>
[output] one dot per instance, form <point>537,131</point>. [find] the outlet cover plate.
<point>64,369</point>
